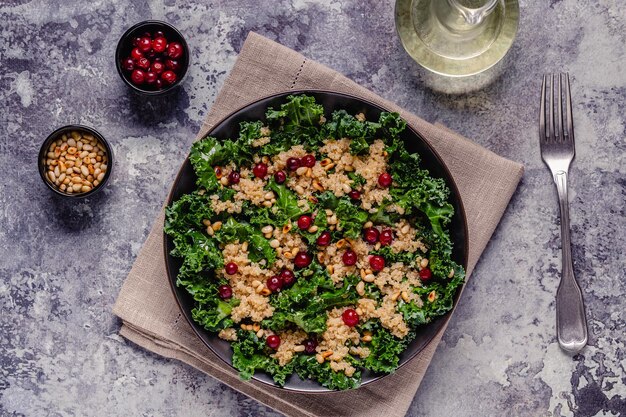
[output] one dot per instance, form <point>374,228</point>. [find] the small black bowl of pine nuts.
<point>75,161</point>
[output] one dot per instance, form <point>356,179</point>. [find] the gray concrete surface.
<point>62,264</point>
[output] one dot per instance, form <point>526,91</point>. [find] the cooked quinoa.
<point>315,245</point>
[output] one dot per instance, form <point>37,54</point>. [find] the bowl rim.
<point>454,188</point>
<point>122,42</point>
<point>52,137</point>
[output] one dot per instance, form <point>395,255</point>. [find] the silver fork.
<point>557,151</point>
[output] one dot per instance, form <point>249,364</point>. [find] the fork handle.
<point>571,323</point>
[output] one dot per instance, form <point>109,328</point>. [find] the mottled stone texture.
<point>64,262</point>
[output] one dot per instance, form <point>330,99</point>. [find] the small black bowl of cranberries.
<point>152,57</point>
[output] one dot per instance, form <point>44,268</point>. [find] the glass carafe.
<point>457,37</point>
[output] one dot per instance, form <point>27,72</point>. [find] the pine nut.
<point>432,296</point>
<point>265,292</point>
<point>317,186</point>
<point>366,338</point>
<point>348,168</point>
<point>63,187</point>
<point>267,203</point>
<point>210,231</point>
<point>224,181</point>
<point>244,246</point>
<point>52,176</point>
<point>369,278</point>
<point>333,219</point>
<point>274,243</point>
<point>299,189</point>
<point>329,212</point>
<point>320,359</point>
<point>320,257</point>
<point>329,167</point>
<point>267,235</point>
<point>327,354</point>
<point>331,269</point>
<point>256,283</point>
<point>341,243</point>
<point>95,183</point>
<point>301,171</point>
<point>206,222</point>
<point>451,274</point>
<point>298,348</point>
<point>286,228</point>
<point>325,162</point>
<point>405,296</point>
<point>77,187</point>
<point>87,147</point>
<point>359,311</point>
<point>367,225</point>
<point>360,288</point>
<point>267,229</point>
<point>424,263</point>
<point>405,229</point>
<point>312,229</point>
<point>216,226</point>
<point>395,296</point>
<point>85,188</point>
<point>346,188</point>
<point>269,195</point>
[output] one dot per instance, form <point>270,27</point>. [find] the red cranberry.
<point>386,236</point>
<point>280,177</point>
<point>273,341</point>
<point>377,262</point>
<point>225,292</point>
<point>234,177</point>
<point>128,64</point>
<point>304,222</point>
<point>274,283</point>
<point>385,180</point>
<point>349,257</point>
<point>293,164</point>
<point>371,235</point>
<point>158,84</point>
<point>138,76</point>
<point>136,41</point>
<point>158,59</point>
<point>308,161</point>
<point>143,63</point>
<point>159,34</point>
<point>136,54</point>
<point>144,44</point>
<point>324,239</point>
<point>231,268</point>
<point>310,345</point>
<point>426,274</point>
<point>151,77</point>
<point>159,44</point>
<point>172,64</point>
<point>150,54</point>
<point>350,317</point>
<point>260,170</point>
<point>157,67</point>
<point>174,50</point>
<point>302,259</point>
<point>354,194</point>
<point>288,277</point>
<point>169,77</point>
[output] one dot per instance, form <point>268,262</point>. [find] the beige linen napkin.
<point>150,314</point>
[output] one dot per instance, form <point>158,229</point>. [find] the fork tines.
<point>555,129</point>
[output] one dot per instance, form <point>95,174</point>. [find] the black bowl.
<point>229,128</point>
<point>125,45</point>
<point>41,159</point>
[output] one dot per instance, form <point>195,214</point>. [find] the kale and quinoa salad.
<point>314,246</point>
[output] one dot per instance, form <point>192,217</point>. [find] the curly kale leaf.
<point>286,203</point>
<point>351,218</point>
<point>258,247</point>
<point>392,124</point>
<point>211,312</point>
<point>385,349</point>
<point>417,190</point>
<point>297,122</point>
<point>344,125</point>
<point>306,302</point>
<point>306,366</point>
<point>250,355</point>
<point>183,222</point>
